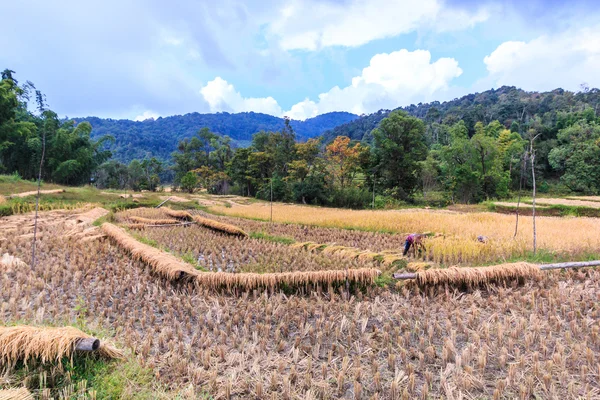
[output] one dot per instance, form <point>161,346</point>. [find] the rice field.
<point>516,333</point>
<point>455,240</point>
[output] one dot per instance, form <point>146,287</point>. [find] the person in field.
<point>412,240</point>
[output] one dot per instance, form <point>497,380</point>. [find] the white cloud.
<point>390,80</point>
<point>314,24</point>
<point>146,115</point>
<point>564,60</point>
<point>222,96</point>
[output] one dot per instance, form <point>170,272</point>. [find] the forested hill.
<point>506,104</point>
<point>159,138</point>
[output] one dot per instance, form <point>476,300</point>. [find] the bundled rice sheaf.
<point>177,214</point>
<point>478,276</point>
<point>249,281</point>
<point>161,262</point>
<point>219,226</point>
<point>173,268</point>
<point>44,344</point>
<point>148,221</point>
<point>16,394</point>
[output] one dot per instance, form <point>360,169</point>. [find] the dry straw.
<point>177,214</point>
<point>478,276</point>
<point>16,394</point>
<point>161,262</point>
<point>173,268</point>
<point>250,281</point>
<point>219,226</point>
<point>45,344</point>
<point>148,221</point>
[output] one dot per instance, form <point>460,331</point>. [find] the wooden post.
<point>532,155</point>
<point>271,199</point>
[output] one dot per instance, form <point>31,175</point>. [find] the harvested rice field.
<point>192,309</point>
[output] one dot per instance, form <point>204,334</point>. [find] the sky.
<point>140,59</point>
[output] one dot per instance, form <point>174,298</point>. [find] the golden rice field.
<point>457,232</point>
<point>530,335</point>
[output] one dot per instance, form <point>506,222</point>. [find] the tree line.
<point>406,160</point>
<point>437,158</point>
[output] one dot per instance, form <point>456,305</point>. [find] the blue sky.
<point>138,59</point>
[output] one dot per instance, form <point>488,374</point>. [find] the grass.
<point>272,238</point>
<point>11,184</point>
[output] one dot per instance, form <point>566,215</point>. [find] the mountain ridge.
<point>159,137</point>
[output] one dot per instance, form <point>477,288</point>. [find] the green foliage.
<point>189,182</point>
<point>159,138</point>
<point>578,157</point>
<point>399,147</point>
<point>272,238</point>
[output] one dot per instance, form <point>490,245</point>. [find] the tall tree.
<point>399,147</point>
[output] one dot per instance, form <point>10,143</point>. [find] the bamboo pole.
<point>160,205</point>
<point>88,344</point>
<point>544,267</point>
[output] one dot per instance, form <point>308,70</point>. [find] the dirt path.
<point>34,192</point>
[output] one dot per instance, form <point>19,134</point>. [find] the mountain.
<point>506,104</point>
<point>159,138</point>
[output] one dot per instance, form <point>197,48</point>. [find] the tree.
<point>399,146</point>
<point>343,160</point>
<point>578,157</point>
<point>189,182</point>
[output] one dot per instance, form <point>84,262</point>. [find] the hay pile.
<point>16,394</point>
<point>219,226</point>
<point>478,276</point>
<point>44,344</point>
<point>161,262</point>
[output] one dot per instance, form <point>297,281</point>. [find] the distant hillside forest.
<point>159,138</point>
<point>482,146</point>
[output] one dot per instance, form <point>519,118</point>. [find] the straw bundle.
<point>161,262</point>
<point>177,214</point>
<point>173,268</point>
<point>248,281</point>
<point>219,226</point>
<point>16,394</point>
<point>26,343</point>
<point>148,221</point>
<point>478,276</point>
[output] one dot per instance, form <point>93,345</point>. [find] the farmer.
<point>410,241</point>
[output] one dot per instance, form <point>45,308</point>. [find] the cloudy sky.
<point>146,58</point>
